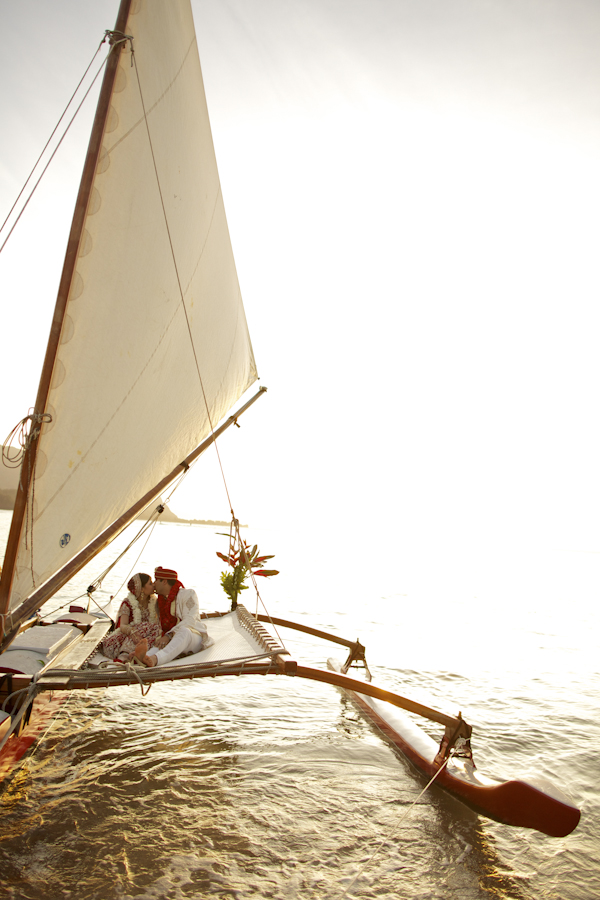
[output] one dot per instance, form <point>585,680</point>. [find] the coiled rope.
<point>24,433</point>
<point>133,670</point>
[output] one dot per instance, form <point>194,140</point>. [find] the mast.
<point>81,205</point>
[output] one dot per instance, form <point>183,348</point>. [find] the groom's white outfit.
<point>189,635</point>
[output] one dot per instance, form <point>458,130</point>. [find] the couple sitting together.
<point>156,629</point>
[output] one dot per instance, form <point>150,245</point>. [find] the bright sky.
<point>412,190</point>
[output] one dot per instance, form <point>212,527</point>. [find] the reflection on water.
<point>155,799</point>
<point>272,787</point>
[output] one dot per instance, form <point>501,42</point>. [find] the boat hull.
<point>69,641</point>
<point>43,710</point>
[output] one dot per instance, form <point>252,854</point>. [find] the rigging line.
<point>255,585</point>
<point>212,430</point>
<point>95,602</point>
<point>235,525</point>
<point>128,576</point>
<point>178,481</point>
<point>53,133</point>
<point>54,152</point>
<point>395,828</point>
<point>53,721</point>
<point>149,525</point>
<point>70,603</point>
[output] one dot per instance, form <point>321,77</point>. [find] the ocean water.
<point>273,787</point>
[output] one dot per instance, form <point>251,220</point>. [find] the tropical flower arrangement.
<point>243,562</point>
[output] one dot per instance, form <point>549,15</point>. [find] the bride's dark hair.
<point>143,578</point>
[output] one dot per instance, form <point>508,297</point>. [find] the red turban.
<point>168,574</point>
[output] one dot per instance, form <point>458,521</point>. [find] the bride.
<point>138,618</point>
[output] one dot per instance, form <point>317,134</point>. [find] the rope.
<point>132,670</point>
<point>111,37</point>
<point>104,676</point>
<point>14,694</point>
<point>50,138</point>
<point>236,541</point>
<point>24,433</point>
<point>150,525</point>
<point>395,828</point>
<point>147,526</point>
<point>178,481</point>
<point>54,152</point>
<point>53,722</point>
<point>70,603</point>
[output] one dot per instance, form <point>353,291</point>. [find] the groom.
<point>167,587</point>
<point>183,629</point>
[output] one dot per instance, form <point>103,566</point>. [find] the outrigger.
<point>244,646</point>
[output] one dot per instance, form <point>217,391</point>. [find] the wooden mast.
<point>81,205</point>
<point>39,597</point>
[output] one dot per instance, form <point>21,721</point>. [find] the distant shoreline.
<point>168,516</point>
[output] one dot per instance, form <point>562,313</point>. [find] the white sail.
<point>154,345</point>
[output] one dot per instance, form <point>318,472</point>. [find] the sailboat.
<point>149,326</point>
